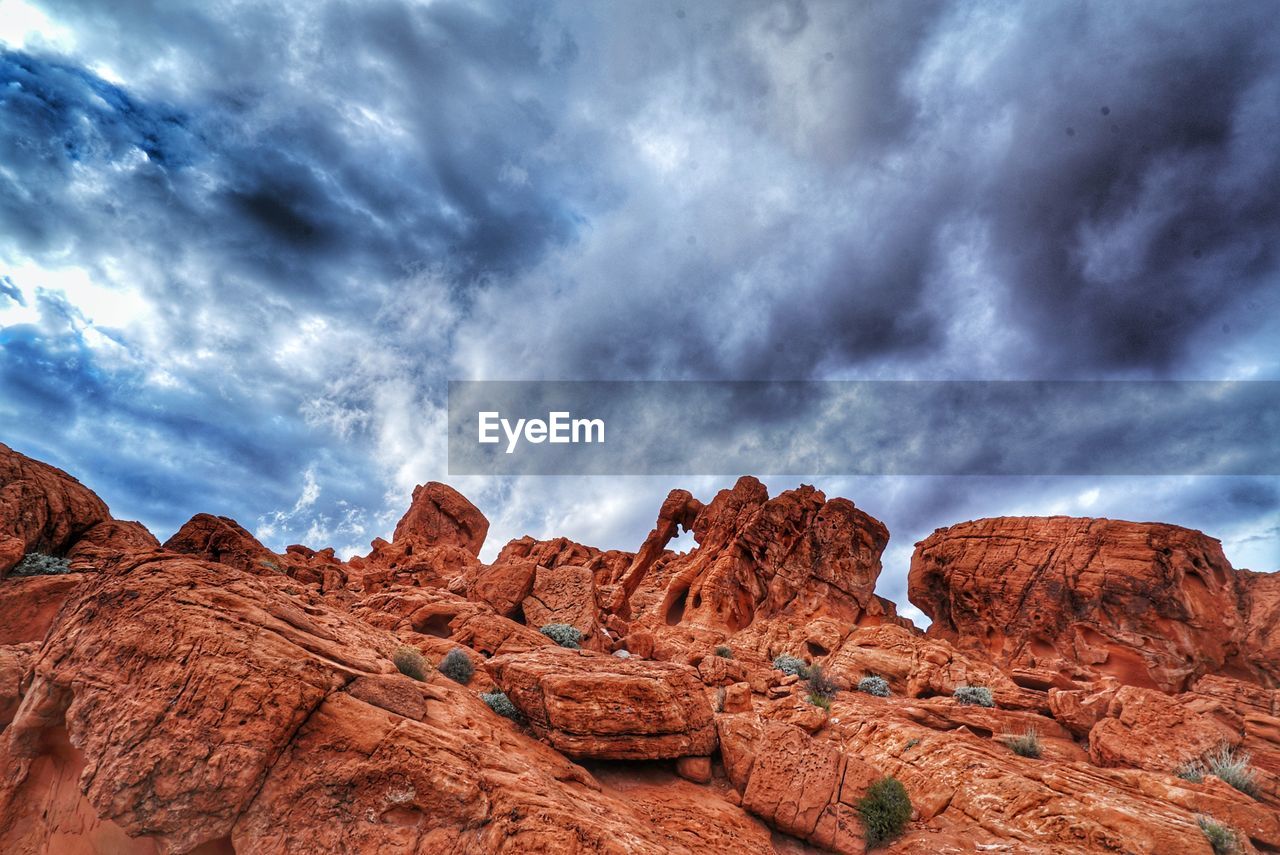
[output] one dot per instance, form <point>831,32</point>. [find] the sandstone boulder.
<point>1149,604</point>
<point>42,509</point>
<point>441,516</point>
<point>223,541</point>
<point>592,705</point>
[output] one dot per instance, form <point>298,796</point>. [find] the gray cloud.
<point>245,245</point>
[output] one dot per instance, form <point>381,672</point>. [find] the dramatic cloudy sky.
<point>243,247</point>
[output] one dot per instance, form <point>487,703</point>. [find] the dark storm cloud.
<point>321,212</point>
<point>259,171</point>
<point>1104,171</point>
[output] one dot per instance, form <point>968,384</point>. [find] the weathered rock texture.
<point>214,696</point>
<point>1149,604</point>
<point>591,705</point>
<point>42,509</point>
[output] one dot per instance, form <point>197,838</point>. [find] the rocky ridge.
<point>213,696</point>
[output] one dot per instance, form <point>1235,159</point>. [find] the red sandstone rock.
<point>160,702</point>
<point>565,594</point>
<point>808,787</point>
<point>441,516</point>
<point>110,543</point>
<point>792,574</point>
<point>1149,604</point>
<point>42,509</point>
<point>678,513</point>
<point>504,586</point>
<point>199,706</point>
<point>1136,729</point>
<point>29,604</point>
<point>591,705</point>
<point>605,565</point>
<point>224,541</point>
<point>15,660</point>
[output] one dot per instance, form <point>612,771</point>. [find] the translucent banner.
<point>864,428</point>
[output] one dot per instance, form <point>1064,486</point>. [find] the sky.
<point>243,247</point>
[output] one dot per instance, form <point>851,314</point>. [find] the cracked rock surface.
<point>213,696</point>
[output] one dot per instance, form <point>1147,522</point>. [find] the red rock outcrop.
<point>225,541</point>
<point>42,509</point>
<point>441,516</point>
<point>795,572</point>
<point>109,543</point>
<point>199,706</point>
<point>214,696</point>
<point>591,705</point>
<point>1149,604</point>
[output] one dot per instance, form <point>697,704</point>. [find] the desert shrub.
<point>724,652</point>
<point>411,663</point>
<point>501,704</point>
<point>1220,837</point>
<point>885,811</point>
<point>788,664</point>
<point>563,635</point>
<point>874,685</point>
<point>38,564</point>
<point>1026,745</point>
<point>823,701</point>
<point>979,696</point>
<point>1192,770</point>
<point>820,684</point>
<point>1233,768</point>
<point>457,666</point>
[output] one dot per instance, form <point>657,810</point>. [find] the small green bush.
<point>501,704</point>
<point>411,663</point>
<point>979,696</point>
<point>788,664</point>
<point>1220,837</point>
<point>563,635</point>
<point>724,652</point>
<point>817,700</point>
<point>457,666</point>
<point>38,564</point>
<point>1233,768</point>
<point>874,685</point>
<point>885,811</point>
<point>1026,745</point>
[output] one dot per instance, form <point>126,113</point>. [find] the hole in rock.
<point>437,625</point>
<point>221,846</point>
<point>815,649</point>
<point>1029,681</point>
<point>1042,649</point>
<point>402,816</point>
<point>675,612</point>
<point>1195,585</point>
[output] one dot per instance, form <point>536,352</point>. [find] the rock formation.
<point>1149,604</point>
<point>42,509</point>
<point>213,696</point>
